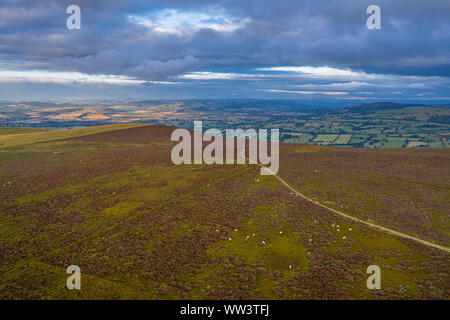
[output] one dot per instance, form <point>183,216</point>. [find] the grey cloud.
<point>113,62</point>
<point>414,40</point>
<point>158,70</point>
<point>288,32</point>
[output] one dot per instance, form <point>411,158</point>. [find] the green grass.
<point>278,248</point>
<point>20,139</point>
<point>50,283</point>
<point>389,253</point>
<point>326,138</point>
<point>359,138</point>
<point>19,130</point>
<point>394,144</point>
<point>310,149</point>
<point>343,139</point>
<point>121,209</point>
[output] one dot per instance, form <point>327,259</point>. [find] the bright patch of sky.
<point>328,93</point>
<point>64,77</point>
<point>188,22</point>
<point>316,71</point>
<point>205,75</point>
<point>284,72</point>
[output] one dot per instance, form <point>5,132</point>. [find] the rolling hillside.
<point>109,200</point>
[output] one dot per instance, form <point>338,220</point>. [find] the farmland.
<point>109,200</point>
<point>377,125</point>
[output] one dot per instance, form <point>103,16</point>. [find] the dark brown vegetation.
<point>407,190</point>
<point>140,227</point>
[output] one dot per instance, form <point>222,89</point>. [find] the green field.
<point>18,130</point>
<point>325,138</point>
<point>11,137</point>
<point>377,125</point>
<point>343,139</point>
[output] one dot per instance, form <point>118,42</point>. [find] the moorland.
<point>109,199</point>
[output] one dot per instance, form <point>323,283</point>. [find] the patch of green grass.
<point>264,181</point>
<point>358,138</point>
<point>19,139</point>
<point>326,138</point>
<point>343,139</point>
<point>18,130</point>
<point>42,196</point>
<point>394,144</point>
<point>209,277</point>
<point>18,155</point>
<point>39,280</point>
<point>121,209</point>
<point>278,251</point>
<point>374,243</point>
<point>265,289</point>
<point>10,229</point>
<point>310,149</point>
<point>388,252</point>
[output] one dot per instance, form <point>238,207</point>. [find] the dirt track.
<point>399,234</point>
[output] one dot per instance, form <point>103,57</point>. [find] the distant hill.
<point>380,106</point>
<point>372,125</point>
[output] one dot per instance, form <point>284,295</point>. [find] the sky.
<point>200,49</point>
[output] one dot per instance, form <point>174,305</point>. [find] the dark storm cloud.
<point>414,35</point>
<point>110,61</point>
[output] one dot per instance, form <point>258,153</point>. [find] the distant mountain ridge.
<point>375,106</point>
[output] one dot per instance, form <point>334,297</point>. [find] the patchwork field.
<point>109,200</point>
<point>375,125</point>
